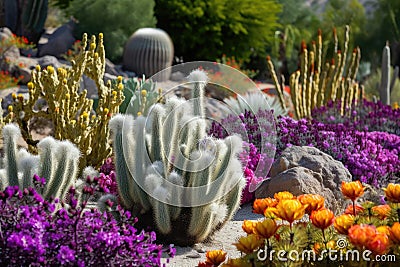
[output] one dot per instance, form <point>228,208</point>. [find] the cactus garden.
<point>199,133</point>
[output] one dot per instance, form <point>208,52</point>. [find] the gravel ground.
<point>224,239</point>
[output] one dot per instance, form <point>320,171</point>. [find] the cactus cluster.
<point>140,94</point>
<point>57,162</point>
<point>68,108</point>
<point>315,83</point>
<point>188,184</point>
<point>387,83</point>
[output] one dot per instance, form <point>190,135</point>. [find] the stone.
<point>48,60</point>
<point>307,170</point>
<point>59,41</point>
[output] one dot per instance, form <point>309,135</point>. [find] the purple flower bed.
<point>371,157</point>
<point>368,116</point>
<point>34,233</point>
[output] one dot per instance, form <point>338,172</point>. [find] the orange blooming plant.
<point>303,223</point>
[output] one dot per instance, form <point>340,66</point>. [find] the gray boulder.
<point>59,41</point>
<point>307,170</point>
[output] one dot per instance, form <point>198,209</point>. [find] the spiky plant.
<point>187,184</point>
<point>57,163</point>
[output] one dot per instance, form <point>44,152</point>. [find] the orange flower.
<point>381,211</point>
<point>283,195</point>
<point>237,263</point>
<point>266,228</point>
<point>379,243</point>
<point>392,193</point>
<point>270,212</point>
<point>395,233</point>
<point>350,209</point>
<point>260,204</point>
<point>312,201</point>
<point>248,226</point>
<point>290,210</point>
<point>383,229</point>
<point>322,218</point>
<point>215,257</point>
<point>343,223</point>
<point>352,190</point>
<point>360,235</point>
<point>204,264</point>
<point>248,244</point>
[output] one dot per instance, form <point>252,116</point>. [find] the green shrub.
<point>116,19</point>
<point>205,30</point>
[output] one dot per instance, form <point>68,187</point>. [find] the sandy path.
<point>224,239</point>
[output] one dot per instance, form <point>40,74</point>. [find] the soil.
<point>223,239</point>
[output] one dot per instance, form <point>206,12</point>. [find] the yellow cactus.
<point>60,89</point>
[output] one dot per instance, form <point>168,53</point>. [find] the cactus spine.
<point>57,162</point>
<point>185,171</point>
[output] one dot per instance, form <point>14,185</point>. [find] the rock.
<point>303,170</point>
<point>59,41</point>
<point>90,85</point>
<point>45,61</point>
<point>24,67</point>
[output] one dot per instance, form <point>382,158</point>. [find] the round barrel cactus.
<point>148,51</point>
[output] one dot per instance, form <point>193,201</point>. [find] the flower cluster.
<point>37,232</point>
<point>7,80</point>
<point>304,224</point>
<point>371,157</point>
<point>369,116</point>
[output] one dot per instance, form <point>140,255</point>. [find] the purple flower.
<point>65,255</point>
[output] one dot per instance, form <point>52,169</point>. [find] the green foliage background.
<point>116,19</point>
<point>205,30</point>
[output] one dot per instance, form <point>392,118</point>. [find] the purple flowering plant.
<point>38,232</point>
<point>371,157</point>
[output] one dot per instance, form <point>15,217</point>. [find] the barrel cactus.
<point>184,184</point>
<point>148,51</point>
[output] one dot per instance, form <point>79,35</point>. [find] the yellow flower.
<point>30,85</point>
<point>50,69</point>
<point>395,105</point>
<point>10,108</point>
<point>37,69</point>
<point>343,223</point>
<point>352,190</point>
<point>322,218</point>
<point>260,204</point>
<point>215,257</point>
<point>14,96</point>
<point>381,211</point>
<point>384,229</point>
<point>283,195</point>
<point>266,228</point>
<point>392,193</point>
<point>143,93</point>
<point>290,210</point>
<point>248,226</point>
<point>247,244</point>
<point>395,233</point>
<point>312,201</point>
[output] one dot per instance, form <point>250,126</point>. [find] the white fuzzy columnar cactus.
<point>166,166</point>
<point>57,162</point>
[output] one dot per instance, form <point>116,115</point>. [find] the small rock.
<point>193,255</point>
<point>198,248</point>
